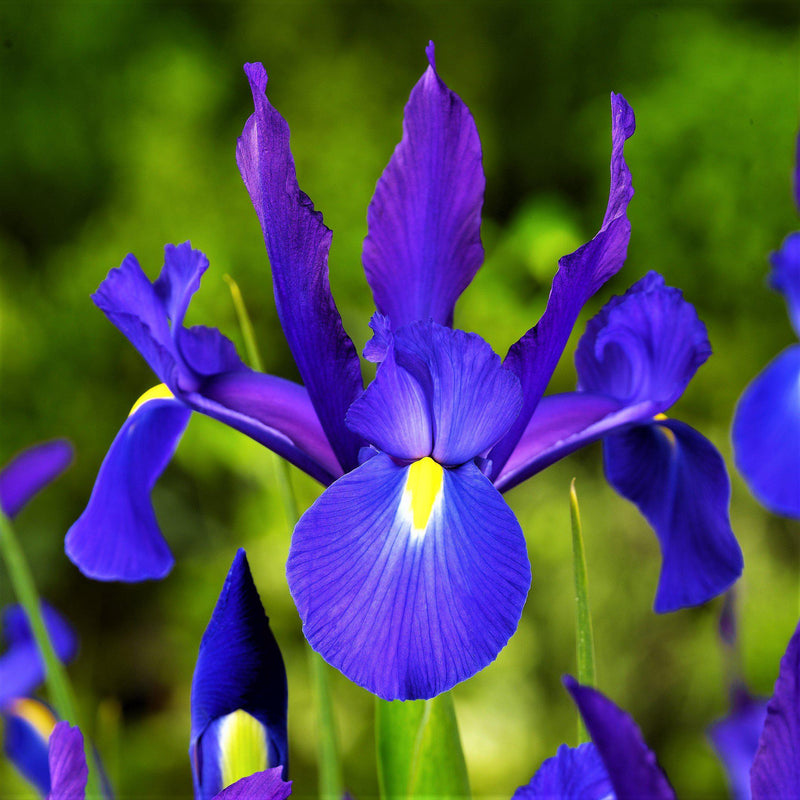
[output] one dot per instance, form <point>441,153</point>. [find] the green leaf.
<point>419,749</point>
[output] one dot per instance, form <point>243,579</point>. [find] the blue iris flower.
<point>766,424</point>
<point>238,744</point>
<point>410,572</point>
<point>619,764</point>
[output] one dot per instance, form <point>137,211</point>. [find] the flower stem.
<point>58,684</point>
<point>583,617</point>
<point>330,784</point>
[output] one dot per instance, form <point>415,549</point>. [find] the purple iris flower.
<point>766,423</point>
<point>410,572</point>
<point>239,695</point>
<point>632,769</point>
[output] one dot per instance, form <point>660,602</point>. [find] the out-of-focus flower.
<point>239,697</point>
<point>766,423</point>
<point>30,471</point>
<point>633,771</point>
<point>410,572</point>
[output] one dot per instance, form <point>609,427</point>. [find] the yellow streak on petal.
<point>36,714</point>
<point>159,392</point>
<point>422,488</point>
<point>666,431</point>
<point>242,745</point>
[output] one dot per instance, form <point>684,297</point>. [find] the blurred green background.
<point>118,131</point>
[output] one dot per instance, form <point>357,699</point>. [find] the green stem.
<point>583,617</point>
<point>58,684</point>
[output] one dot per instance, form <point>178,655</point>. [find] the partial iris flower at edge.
<point>634,361</point>
<point>27,722</point>
<point>631,767</point>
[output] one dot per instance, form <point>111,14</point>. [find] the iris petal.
<point>678,480</point>
<point>239,667</point>
<point>30,471</point>
<point>21,667</point>
<point>534,357</point>
<point>297,243</point>
<point>776,768</point>
<point>785,275</point>
<point>68,770</point>
<point>439,383</point>
<point>27,728</point>
<point>266,785</point>
<point>631,765</point>
<point>402,611</point>
<point>424,245</point>
<point>735,738</point>
<point>117,536</point>
<point>766,434</point>
<point>571,774</point>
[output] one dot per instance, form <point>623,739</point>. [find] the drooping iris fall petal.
<point>679,482</point>
<point>424,243</point>
<point>409,579</point>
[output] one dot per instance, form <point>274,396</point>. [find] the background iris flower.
<point>619,764</point>
<point>766,424</point>
<point>410,572</point>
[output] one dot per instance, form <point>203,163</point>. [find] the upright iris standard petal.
<point>30,471</point>
<point>409,579</point>
<point>766,434</point>
<point>27,725</point>
<point>68,770</point>
<point>534,357</point>
<point>424,245</point>
<point>785,276</point>
<point>643,346</point>
<point>297,243</point>
<point>678,480</point>
<point>776,769</point>
<point>21,666</point>
<point>239,686</point>
<point>440,389</point>
<point>266,785</point>
<point>631,765</point>
<point>117,536</point>
<point>571,774</point>
<point>735,739</point>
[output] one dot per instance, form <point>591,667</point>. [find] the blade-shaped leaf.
<point>419,749</point>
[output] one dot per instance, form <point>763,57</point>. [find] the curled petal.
<point>534,357</point>
<point>117,536</point>
<point>26,732</point>
<point>21,666</point>
<point>409,579</point>
<point>179,280</point>
<point>239,668</point>
<point>571,774</point>
<point>266,785</point>
<point>643,346</point>
<point>68,770</point>
<point>766,434</point>
<point>297,243</point>
<point>631,765</point>
<point>424,245</point>
<point>439,384</point>
<point>776,768</point>
<point>678,480</point>
<point>785,275</point>
<point>30,471</point>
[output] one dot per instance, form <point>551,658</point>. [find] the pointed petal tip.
<point>256,74</point>
<point>430,52</point>
<point>622,115</point>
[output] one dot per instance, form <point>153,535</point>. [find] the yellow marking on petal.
<point>36,714</point>
<point>242,746</point>
<point>666,431</point>
<point>159,392</point>
<point>423,486</point>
